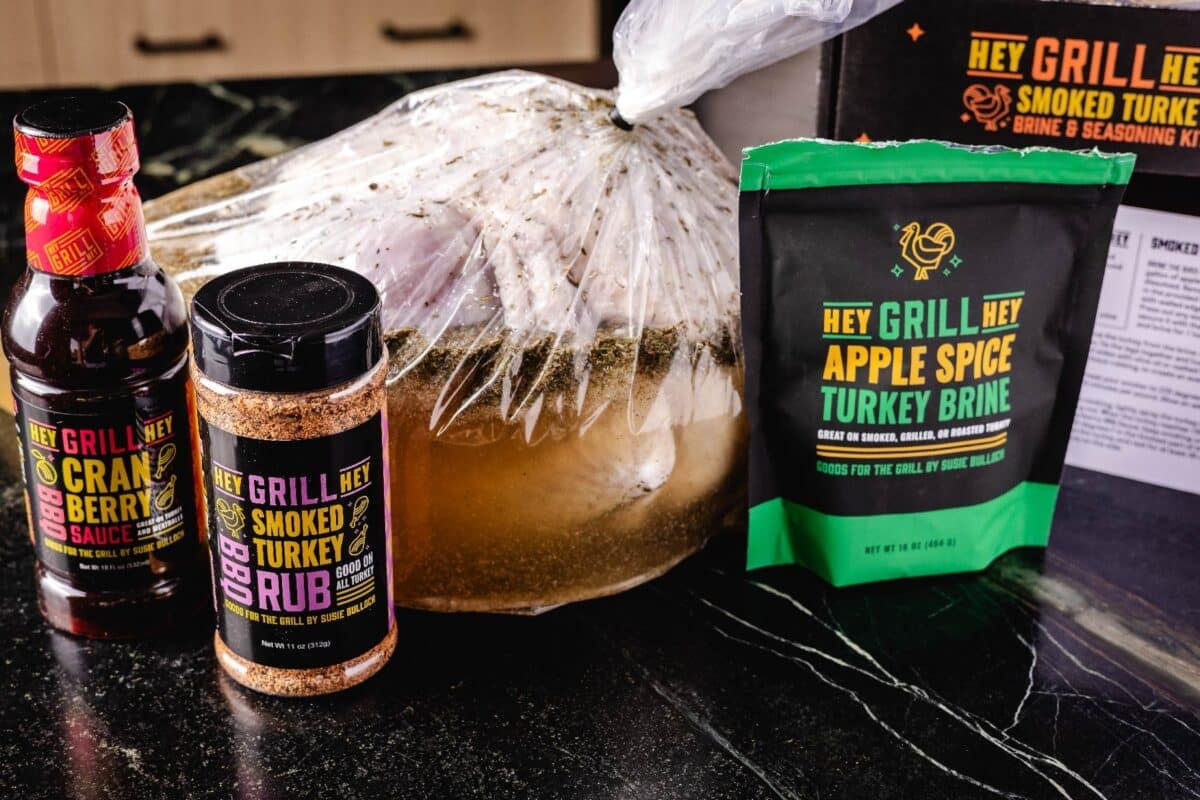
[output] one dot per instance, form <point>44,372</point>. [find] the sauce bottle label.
<point>299,543</point>
<point>110,494</point>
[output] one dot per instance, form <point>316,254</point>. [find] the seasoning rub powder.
<point>289,368</point>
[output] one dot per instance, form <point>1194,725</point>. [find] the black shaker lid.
<point>287,327</point>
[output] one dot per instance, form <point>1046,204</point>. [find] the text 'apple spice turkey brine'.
<point>289,366</point>
<point>96,335</point>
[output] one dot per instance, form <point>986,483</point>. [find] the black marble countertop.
<point>1073,673</point>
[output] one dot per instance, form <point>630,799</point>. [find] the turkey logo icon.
<point>990,107</point>
<point>925,249</point>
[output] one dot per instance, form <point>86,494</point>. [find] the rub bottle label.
<point>299,543</point>
<point>110,495</point>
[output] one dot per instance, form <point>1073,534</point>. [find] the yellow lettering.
<point>835,370</point>
<point>978,58</point>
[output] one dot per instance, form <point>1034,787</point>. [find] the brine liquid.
<point>505,525</point>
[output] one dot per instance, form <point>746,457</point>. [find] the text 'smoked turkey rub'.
<point>289,365</point>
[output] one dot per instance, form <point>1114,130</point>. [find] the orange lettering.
<point>1110,65</point>
<point>1074,59</point>
<point>1045,58</point>
<point>1136,79</point>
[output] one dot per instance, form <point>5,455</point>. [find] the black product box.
<point>1027,73</point>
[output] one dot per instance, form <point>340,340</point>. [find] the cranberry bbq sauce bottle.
<point>97,338</point>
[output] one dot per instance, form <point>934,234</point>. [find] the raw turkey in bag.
<point>560,295</point>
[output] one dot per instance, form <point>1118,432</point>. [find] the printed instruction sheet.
<point>1139,413</point>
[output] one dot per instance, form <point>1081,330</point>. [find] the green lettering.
<point>827,395</point>
<point>967,328</point>
<point>866,406</point>
<point>889,327</point>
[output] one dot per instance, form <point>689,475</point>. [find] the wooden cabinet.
<point>142,41</point>
<point>23,58</point>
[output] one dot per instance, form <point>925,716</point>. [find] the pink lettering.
<point>295,591</point>
<point>232,549</point>
<point>238,591</point>
<point>319,595</point>
<point>235,579</point>
<point>268,590</point>
<point>257,495</point>
<point>293,595</point>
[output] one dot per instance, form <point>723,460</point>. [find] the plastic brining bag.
<point>560,289</point>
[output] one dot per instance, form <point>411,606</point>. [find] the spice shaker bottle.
<point>289,365</point>
<point>96,335</point>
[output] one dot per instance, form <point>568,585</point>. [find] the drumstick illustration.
<point>166,498</point>
<point>359,542</point>
<point>45,469</point>
<point>166,455</point>
<point>360,508</point>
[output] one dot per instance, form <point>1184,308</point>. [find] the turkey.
<point>560,298</point>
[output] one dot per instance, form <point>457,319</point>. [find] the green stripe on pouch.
<point>808,164</point>
<point>846,550</point>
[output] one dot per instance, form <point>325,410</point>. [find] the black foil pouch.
<point>916,319</point>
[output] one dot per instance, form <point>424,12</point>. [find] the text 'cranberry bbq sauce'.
<point>96,335</point>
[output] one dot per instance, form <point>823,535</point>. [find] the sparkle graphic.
<point>955,261</point>
<point>916,31</point>
<point>946,272</point>
<point>897,271</point>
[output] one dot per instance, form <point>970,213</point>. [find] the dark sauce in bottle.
<point>96,335</point>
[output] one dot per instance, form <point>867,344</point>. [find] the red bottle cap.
<point>83,215</point>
